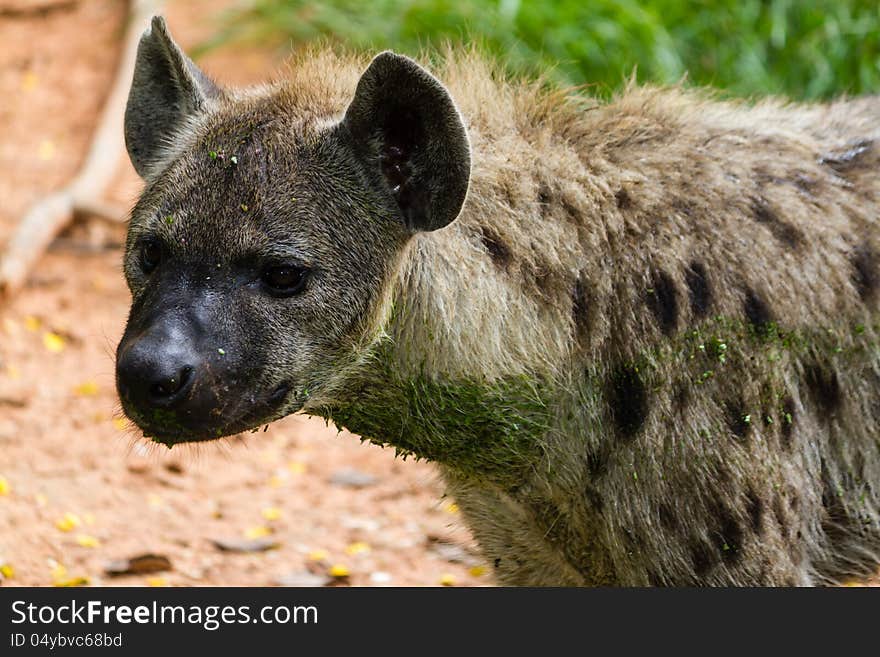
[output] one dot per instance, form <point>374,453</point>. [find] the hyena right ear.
<point>407,131</point>
<point>167,89</point>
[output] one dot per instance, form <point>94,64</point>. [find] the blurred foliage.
<point>803,49</point>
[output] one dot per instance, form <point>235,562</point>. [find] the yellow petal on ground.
<point>4,486</point>
<point>46,150</point>
<point>73,581</point>
<point>452,508</point>
<point>296,467</point>
<point>41,499</point>
<point>447,579</point>
<point>157,581</point>
<point>259,531</point>
<point>89,519</point>
<point>13,372</point>
<point>7,571</point>
<point>53,342</point>
<point>275,481</point>
<point>358,547</point>
<point>32,323</point>
<point>68,521</point>
<point>120,423</point>
<point>477,571</point>
<point>86,389</point>
<point>318,555</point>
<point>339,570</point>
<point>87,541</point>
<point>59,572</point>
<point>271,513</point>
<point>29,81</point>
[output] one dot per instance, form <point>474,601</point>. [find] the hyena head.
<point>268,232</point>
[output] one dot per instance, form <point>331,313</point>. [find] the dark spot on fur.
<point>728,535</point>
<point>663,301</point>
<point>702,557</point>
<point>786,422</point>
<point>597,461</point>
<point>738,419</point>
<point>755,511</point>
<point>497,563</point>
<point>781,230</point>
<point>845,161</point>
<point>573,213</point>
<point>627,400</point>
<point>824,388</point>
<point>581,304</point>
<point>866,272</point>
<point>655,579</point>
<point>622,198</point>
<point>699,289</point>
<point>594,499</point>
<point>496,248</point>
<point>681,396</point>
<point>668,519</point>
<point>758,313</point>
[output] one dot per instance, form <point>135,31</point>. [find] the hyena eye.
<point>284,280</point>
<point>151,255</point>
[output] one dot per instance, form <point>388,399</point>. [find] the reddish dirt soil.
<point>64,448</point>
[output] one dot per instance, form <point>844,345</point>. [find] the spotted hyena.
<point>639,338</point>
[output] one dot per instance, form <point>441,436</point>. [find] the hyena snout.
<point>157,370</point>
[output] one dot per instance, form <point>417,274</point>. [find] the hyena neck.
<point>395,395</point>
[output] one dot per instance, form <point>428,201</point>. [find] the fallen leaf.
<point>53,342</point>
<point>351,478</point>
<point>68,522</point>
<point>271,513</point>
<point>46,150</point>
<point>7,571</point>
<point>303,578</point>
<point>259,531</point>
<point>29,81</point>
<point>245,545</point>
<point>446,579</point>
<point>87,541</point>
<point>319,555</point>
<point>138,565</point>
<point>86,389</point>
<point>339,570</point>
<point>81,580</point>
<point>358,547</point>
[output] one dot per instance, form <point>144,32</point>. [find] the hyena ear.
<point>167,89</point>
<point>408,132</point>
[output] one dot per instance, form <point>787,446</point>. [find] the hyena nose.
<point>155,375</point>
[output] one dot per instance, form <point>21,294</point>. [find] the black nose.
<point>156,371</point>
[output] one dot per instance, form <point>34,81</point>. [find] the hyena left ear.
<point>409,134</point>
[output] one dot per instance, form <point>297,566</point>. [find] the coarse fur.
<point>644,353</point>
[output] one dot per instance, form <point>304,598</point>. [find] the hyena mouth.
<point>171,426</point>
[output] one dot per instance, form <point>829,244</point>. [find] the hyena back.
<point>644,349</point>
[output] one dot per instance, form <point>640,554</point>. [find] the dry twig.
<point>48,216</point>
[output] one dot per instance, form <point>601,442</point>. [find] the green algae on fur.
<point>493,430</point>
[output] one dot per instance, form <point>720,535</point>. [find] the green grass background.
<point>801,49</point>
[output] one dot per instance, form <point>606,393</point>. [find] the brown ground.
<point>64,448</point>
